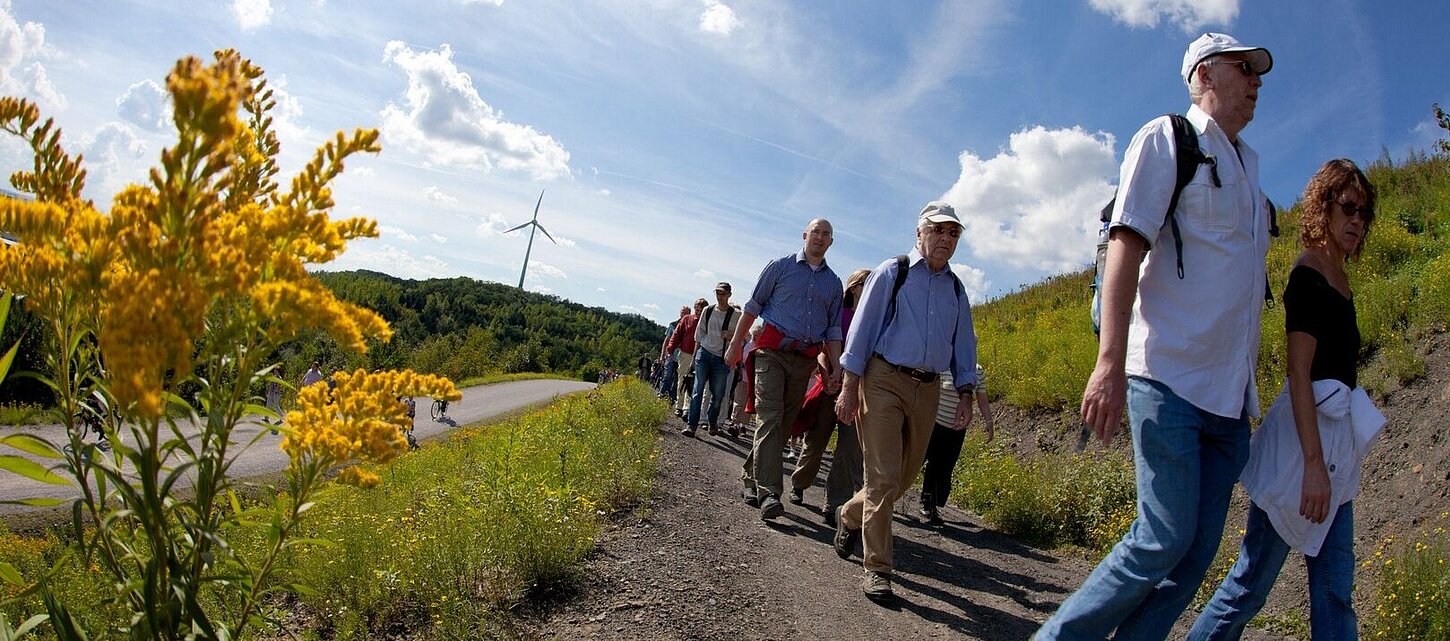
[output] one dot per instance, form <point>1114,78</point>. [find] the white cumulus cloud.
<point>145,105</point>
<point>545,269</point>
<point>705,273</point>
<point>718,18</point>
<point>1189,15</point>
<point>652,306</point>
<point>974,282</point>
<point>20,70</point>
<point>438,238</point>
<point>495,224</point>
<point>436,195</point>
<point>251,14</point>
<point>1035,204</point>
<point>396,232</point>
<point>445,121</point>
<point>113,154</point>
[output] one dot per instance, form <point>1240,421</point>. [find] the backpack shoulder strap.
<point>1190,156</point>
<point>726,323</point>
<point>901,268</point>
<point>705,319</point>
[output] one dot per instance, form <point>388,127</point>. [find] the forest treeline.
<point>456,327</point>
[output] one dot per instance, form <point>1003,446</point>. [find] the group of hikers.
<point>887,363</point>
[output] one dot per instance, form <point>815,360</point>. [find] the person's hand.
<point>1102,400</point>
<point>1314,502</point>
<point>847,407</point>
<point>832,382</point>
<point>963,416</point>
<point>732,354</point>
<point>991,431</point>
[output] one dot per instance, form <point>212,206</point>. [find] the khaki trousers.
<point>685,368</point>
<point>780,385</point>
<point>895,423</point>
<point>844,479</point>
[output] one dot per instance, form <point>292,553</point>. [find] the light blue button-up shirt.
<point>803,302</point>
<point>933,326</point>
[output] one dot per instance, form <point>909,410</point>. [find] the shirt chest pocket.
<point>1208,207</point>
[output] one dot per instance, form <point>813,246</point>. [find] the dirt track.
<point>702,565</point>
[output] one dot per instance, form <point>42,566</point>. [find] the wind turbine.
<point>537,226</point>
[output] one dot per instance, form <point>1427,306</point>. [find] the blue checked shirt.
<point>933,326</point>
<point>804,303</point>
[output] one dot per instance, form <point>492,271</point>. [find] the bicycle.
<point>439,410</point>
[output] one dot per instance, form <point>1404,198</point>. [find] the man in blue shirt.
<point>900,338</point>
<point>799,299</point>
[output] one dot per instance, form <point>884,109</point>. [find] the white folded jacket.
<point>1274,475</point>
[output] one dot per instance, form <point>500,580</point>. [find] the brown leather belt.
<point>919,375</point>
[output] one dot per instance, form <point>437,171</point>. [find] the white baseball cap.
<point>1213,44</point>
<point>939,212</point>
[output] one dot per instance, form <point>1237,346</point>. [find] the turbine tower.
<point>537,226</point>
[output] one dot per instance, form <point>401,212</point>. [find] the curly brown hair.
<point>1334,179</point>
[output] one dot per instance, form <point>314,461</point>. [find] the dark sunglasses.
<point>1350,209</point>
<point>1243,66</point>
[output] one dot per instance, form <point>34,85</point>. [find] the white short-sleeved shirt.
<point>1198,335</point>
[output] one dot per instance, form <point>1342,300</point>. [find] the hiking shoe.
<point>830,516</point>
<point>846,538</point>
<point>797,496</point>
<point>877,586</point>
<point>930,515</point>
<point>714,431</point>
<point>748,493</point>
<point>688,432</point>
<point>770,508</point>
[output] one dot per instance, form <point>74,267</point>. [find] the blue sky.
<point>682,142</point>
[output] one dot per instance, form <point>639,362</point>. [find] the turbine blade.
<point>520,227</point>
<point>536,205</point>
<point>546,233</point>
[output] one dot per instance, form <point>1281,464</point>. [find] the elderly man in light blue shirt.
<point>908,327</point>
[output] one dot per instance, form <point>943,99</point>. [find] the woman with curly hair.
<point>1305,459</point>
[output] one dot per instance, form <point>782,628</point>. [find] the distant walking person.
<point>1305,459</point>
<point>799,299</point>
<point>945,446</point>
<point>313,375</point>
<point>274,396</point>
<point>914,320</point>
<point>682,344</point>
<point>667,358</point>
<point>716,326</point>
<point>1179,341</point>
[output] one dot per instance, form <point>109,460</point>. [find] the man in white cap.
<point>1179,341</point>
<point>913,321</point>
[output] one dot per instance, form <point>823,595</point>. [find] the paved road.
<point>264,457</point>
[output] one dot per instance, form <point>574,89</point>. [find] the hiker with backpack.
<point>1180,330</point>
<point>913,321</point>
<point>716,325</point>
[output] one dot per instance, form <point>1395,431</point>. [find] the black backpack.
<point>1190,156</point>
<point>705,319</point>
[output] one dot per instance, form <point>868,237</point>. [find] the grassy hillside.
<point>1040,346</point>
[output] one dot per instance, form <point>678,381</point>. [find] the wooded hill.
<point>462,328</point>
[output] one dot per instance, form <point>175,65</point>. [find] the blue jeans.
<point>667,379</point>
<point>710,369</point>
<point>1187,463</point>
<point>1243,591</point>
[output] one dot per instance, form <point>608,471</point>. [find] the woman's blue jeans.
<point>1187,463</point>
<point>1243,591</point>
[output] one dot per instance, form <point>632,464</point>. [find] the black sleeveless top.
<point>1313,306</point>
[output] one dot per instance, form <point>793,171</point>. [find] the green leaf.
<point>36,502</point>
<point>31,444</point>
<point>30,469</point>
<point>30,624</point>
<point>9,358</point>
<point>10,574</point>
